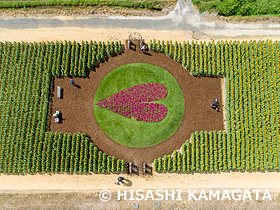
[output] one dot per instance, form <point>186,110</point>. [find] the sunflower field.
<point>26,72</point>
<point>252,138</point>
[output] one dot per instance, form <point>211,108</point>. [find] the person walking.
<point>72,82</point>
<point>121,179</point>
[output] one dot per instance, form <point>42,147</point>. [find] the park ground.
<point>77,106</point>
<point>113,34</point>
<point>82,191</point>
<point>53,191</point>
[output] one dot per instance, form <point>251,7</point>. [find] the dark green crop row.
<point>26,72</point>
<point>239,7</point>
<point>251,141</point>
<point>155,5</point>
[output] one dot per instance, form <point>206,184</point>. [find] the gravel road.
<point>183,17</point>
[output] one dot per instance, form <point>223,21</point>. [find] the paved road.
<point>184,17</point>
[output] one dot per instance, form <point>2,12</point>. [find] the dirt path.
<point>77,106</point>
<point>173,27</point>
<point>223,88</point>
<point>82,191</point>
<point>64,182</point>
<point>78,34</point>
<point>183,17</point>
<point>109,34</point>
<point>90,200</point>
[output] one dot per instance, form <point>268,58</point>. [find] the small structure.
<point>134,36</point>
<point>134,39</point>
<point>128,43</point>
<point>133,168</point>
<point>59,92</point>
<point>140,168</point>
<point>57,115</point>
<point>147,170</point>
<point>215,104</point>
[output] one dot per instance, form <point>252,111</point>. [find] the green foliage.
<point>201,59</point>
<point>77,59</point>
<point>239,7</point>
<point>252,103</point>
<point>229,7</point>
<point>154,5</point>
<point>26,70</point>
<point>138,133</point>
<point>156,164</point>
<point>86,155</point>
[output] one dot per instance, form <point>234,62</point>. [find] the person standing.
<point>72,82</point>
<point>121,179</point>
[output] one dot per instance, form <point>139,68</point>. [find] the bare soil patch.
<point>93,11</point>
<point>77,106</point>
<point>90,200</point>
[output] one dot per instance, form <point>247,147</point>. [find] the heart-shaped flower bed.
<point>134,102</point>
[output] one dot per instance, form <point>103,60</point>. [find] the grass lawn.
<point>130,132</point>
<point>257,8</point>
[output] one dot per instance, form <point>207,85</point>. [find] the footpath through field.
<point>178,25</point>
<point>184,17</point>
<point>63,182</point>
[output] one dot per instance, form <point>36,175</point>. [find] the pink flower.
<point>134,102</point>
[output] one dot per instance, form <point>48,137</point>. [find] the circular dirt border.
<point>129,132</point>
<point>198,93</point>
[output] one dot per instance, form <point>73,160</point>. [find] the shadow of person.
<point>127,183</point>
<point>146,53</point>
<point>78,86</point>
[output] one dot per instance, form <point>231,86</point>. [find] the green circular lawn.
<point>130,132</point>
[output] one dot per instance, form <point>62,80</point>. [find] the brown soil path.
<point>62,191</point>
<point>77,106</point>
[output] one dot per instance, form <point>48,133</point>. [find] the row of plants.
<point>77,59</point>
<point>74,153</point>
<point>239,8</point>
<point>153,5</point>
<point>253,105</point>
<point>252,138</point>
<point>25,146</point>
<point>205,151</point>
<point>199,58</point>
<point>24,95</point>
